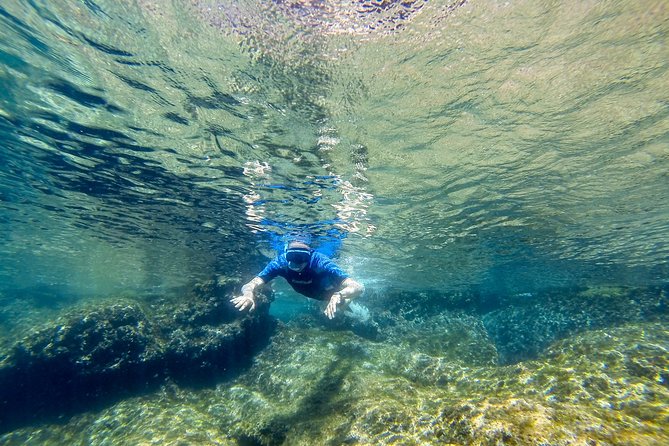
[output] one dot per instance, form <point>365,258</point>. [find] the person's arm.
<point>272,270</point>
<point>351,289</point>
<point>248,294</point>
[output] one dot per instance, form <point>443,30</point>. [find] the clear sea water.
<point>501,147</point>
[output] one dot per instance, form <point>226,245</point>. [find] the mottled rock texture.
<point>116,349</point>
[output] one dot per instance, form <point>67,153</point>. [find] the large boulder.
<point>107,351</point>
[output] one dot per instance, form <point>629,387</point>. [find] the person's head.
<point>298,255</point>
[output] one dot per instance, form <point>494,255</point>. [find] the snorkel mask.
<point>298,256</point>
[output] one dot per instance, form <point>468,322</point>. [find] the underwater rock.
<point>109,351</point>
<point>584,391</point>
<point>522,330</point>
<point>76,361</point>
<point>517,327</point>
<point>456,336</point>
<point>320,386</point>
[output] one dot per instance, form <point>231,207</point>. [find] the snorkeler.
<point>310,273</point>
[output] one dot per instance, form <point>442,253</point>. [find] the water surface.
<point>451,144</point>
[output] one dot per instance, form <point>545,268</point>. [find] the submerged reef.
<point>316,386</point>
<point>111,350</point>
<point>427,377</point>
<point>526,324</point>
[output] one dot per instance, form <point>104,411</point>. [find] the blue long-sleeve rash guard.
<point>318,280</point>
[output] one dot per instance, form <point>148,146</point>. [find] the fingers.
<point>242,302</point>
<point>330,310</point>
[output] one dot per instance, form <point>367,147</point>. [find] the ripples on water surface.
<point>504,146</point>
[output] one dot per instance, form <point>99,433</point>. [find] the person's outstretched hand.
<point>244,301</point>
<point>331,309</point>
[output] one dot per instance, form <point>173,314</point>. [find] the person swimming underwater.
<point>310,273</point>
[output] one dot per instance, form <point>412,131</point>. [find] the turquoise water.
<point>503,150</point>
